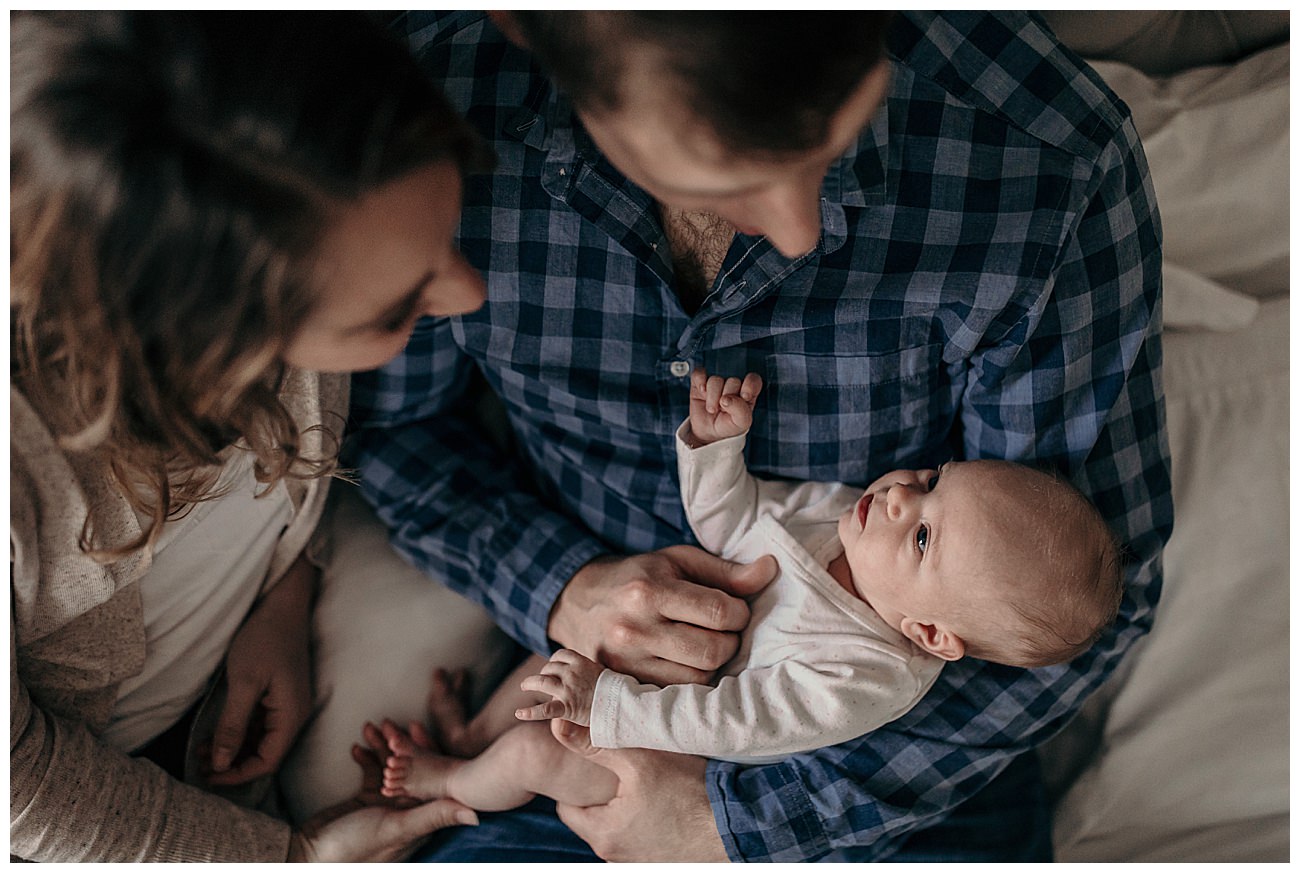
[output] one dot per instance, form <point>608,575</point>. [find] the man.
<point>947,250</point>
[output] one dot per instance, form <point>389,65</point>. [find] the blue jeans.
<point>1008,821</point>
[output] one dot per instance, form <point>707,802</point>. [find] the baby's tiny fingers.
<point>712,393</point>
<point>540,712</point>
<point>732,386</point>
<point>751,387</point>
<point>542,683</point>
<point>567,657</point>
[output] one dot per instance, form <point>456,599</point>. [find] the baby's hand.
<point>570,680</point>
<point>721,408</point>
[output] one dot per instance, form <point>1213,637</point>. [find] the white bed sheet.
<point>1184,754</point>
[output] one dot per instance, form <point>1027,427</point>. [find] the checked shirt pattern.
<point>987,285</point>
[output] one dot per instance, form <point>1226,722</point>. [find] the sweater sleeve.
<point>72,798</point>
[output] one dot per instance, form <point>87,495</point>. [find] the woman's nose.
<point>461,291</point>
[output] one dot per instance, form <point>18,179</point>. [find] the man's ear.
<point>938,641</point>
<point>505,23</point>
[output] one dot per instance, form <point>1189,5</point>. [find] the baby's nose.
<point>896,500</point>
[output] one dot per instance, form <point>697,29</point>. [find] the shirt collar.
<point>858,178</point>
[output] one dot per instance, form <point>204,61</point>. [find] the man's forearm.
<point>456,509</point>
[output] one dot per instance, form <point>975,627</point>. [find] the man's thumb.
<point>738,580</point>
<point>753,577</point>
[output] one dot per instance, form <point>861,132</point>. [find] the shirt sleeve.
<point>1076,384</point>
<point>459,508</point>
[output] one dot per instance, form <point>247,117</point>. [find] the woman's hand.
<point>268,678</point>
<point>371,827</point>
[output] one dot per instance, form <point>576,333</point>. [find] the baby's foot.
<point>413,768</point>
<point>447,706</point>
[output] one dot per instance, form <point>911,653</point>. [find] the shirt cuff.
<point>787,827</point>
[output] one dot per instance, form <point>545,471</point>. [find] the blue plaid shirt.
<point>987,284</point>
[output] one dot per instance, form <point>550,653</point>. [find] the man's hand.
<point>570,680</point>
<point>268,678</point>
<point>669,617</point>
<point>660,813</point>
<point>721,408</point>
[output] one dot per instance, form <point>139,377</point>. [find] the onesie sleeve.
<point>768,712</point>
<point>723,499</point>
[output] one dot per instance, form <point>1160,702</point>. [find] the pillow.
<point>1218,143</point>
<point>1195,302</point>
<point>380,628</point>
<point>1184,754</point>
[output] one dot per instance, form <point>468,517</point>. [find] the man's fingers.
<point>585,821</point>
<point>691,646</point>
<point>664,672</point>
<point>740,580</point>
<point>707,592</point>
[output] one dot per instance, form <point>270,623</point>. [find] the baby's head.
<point>985,558</point>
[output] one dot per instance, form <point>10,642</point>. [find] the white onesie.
<point>816,665</point>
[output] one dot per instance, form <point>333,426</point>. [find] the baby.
<point>876,590</point>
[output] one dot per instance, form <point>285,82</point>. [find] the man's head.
<point>985,558</point>
<point>735,113</point>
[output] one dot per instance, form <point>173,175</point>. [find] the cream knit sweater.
<point>77,631</point>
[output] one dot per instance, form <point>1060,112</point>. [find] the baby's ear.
<point>938,641</point>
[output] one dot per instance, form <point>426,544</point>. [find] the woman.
<point>209,213</point>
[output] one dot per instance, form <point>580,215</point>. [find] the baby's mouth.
<point>864,506</point>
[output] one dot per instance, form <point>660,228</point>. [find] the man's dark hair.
<point>768,82</point>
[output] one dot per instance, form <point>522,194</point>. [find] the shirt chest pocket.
<point>847,417</point>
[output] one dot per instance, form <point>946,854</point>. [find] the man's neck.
<point>699,243</point>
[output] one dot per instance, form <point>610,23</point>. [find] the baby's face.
<point>910,535</point>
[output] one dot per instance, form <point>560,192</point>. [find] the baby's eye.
<point>934,480</point>
<point>922,538</point>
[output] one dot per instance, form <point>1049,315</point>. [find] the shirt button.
<point>680,368</point>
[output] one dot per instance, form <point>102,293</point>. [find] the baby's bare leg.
<point>523,762</point>
<point>467,738</point>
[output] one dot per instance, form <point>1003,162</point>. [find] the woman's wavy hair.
<point>170,175</point>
